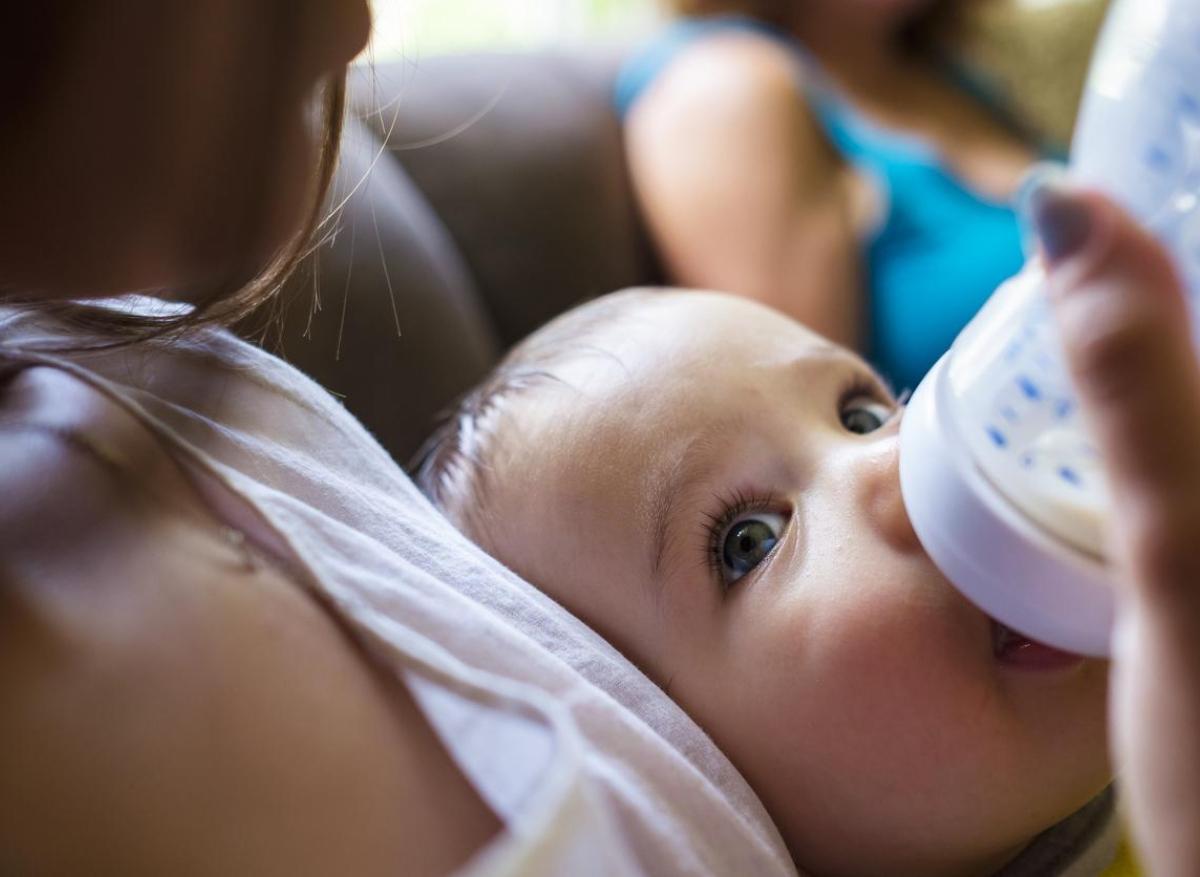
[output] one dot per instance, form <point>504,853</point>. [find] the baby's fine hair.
<point>455,465</point>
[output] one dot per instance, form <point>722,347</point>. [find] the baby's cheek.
<point>900,678</point>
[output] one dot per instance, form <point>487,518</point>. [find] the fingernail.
<point>1037,176</point>
<point>1062,220</point>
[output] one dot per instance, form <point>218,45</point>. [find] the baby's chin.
<point>941,859</point>
<point>905,861</point>
<point>988,828</point>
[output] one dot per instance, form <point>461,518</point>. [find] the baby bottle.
<point>1000,478</point>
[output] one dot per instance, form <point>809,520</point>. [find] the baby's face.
<point>716,493</point>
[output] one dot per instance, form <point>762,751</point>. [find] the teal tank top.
<point>939,250</point>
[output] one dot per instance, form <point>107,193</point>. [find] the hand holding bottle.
<point>1001,476</point>
<point>1123,318</point>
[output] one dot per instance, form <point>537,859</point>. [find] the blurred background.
<point>1030,54</point>
<point>408,28</point>
<point>415,28</point>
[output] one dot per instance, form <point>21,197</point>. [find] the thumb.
<point>1124,321</point>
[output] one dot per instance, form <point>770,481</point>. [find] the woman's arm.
<point>740,188</point>
<point>1122,312</point>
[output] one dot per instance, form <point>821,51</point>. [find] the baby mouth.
<point>1017,650</point>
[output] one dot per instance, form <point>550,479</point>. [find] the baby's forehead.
<point>623,395</point>
<point>642,368</point>
<point>641,352</point>
<point>645,335</point>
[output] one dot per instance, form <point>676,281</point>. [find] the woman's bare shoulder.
<point>729,113</point>
<point>738,73</point>
<point>58,441</point>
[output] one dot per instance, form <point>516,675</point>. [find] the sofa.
<point>479,196</point>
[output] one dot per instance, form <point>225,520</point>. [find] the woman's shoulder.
<point>720,58</point>
<point>730,103</point>
<point>54,430</point>
<point>83,488</point>
<point>729,70</point>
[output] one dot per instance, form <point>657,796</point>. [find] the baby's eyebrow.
<point>693,465</point>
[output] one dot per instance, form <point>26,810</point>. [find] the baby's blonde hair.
<point>454,467</point>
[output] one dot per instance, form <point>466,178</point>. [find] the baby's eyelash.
<point>732,506</point>
<point>874,388</point>
<point>864,385</point>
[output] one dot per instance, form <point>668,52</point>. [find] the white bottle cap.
<point>999,559</point>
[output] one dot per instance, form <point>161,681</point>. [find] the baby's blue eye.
<point>863,414</point>
<point>747,542</point>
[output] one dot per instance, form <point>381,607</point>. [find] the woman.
<point>814,155</point>
<point>232,637</point>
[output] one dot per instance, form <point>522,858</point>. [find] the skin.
<point>851,684</point>
<point>728,123</point>
<point>168,710</point>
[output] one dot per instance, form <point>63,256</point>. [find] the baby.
<point>714,489</point>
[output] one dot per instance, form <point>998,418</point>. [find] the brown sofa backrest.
<point>484,194</point>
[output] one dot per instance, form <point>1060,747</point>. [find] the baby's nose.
<point>881,499</point>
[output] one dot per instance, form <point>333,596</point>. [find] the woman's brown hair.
<point>234,301</point>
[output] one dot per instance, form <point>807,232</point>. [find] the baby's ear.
<point>434,459</point>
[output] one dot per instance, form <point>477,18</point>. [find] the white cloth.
<point>592,768</point>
